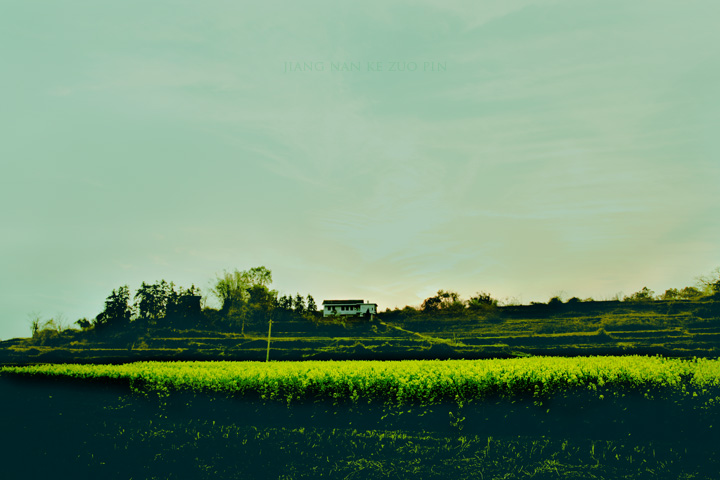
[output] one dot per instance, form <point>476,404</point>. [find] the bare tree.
<point>35,323</point>
<point>710,283</point>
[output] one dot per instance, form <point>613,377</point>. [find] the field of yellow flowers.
<point>418,382</point>
<point>524,418</point>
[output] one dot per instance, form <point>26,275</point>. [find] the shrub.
<point>555,301</point>
<point>482,302</point>
<point>644,295</point>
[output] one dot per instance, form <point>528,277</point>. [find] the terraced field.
<point>594,328</point>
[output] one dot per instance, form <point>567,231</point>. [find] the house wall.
<point>368,308</point>
<point>349,309</point>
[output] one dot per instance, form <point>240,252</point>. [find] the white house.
<point>348,307</point>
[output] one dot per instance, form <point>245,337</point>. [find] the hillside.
<point>671,328</point>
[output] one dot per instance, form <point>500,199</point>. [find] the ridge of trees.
<point>248,301</point>
<point>245,297</point>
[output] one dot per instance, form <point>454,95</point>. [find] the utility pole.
<point>267,357</point>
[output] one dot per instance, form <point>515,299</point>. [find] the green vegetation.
<point>522,415</point>
<point>423,382</point>
<point>162,321</point>
<point>535,418</point>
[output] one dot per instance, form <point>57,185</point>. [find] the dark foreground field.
<point>59,429</point>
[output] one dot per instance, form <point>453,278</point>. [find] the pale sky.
<point>523,148</point>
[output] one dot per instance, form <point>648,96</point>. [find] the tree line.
<point>706,288</point>
<point>248,302</point>
<point>449,303</point>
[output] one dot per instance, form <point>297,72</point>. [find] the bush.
<point>644,295</point>
<point>482,302</point>
<point>555,301</point>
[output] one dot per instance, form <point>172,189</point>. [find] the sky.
<point>379,150</point>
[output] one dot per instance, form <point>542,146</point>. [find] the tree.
<point>445,301</point>
<point>285,302</point>
<point>299,304</point>
<point>481,302</point>
<point>151,301</point>
<point>644,295</point>
<point>35,322</point>
<point>259,276</point>
<point>448,297</point>
<point>690,293</point>
<point>183,306</point>
<point>711,283</point>
<point>687,293</point>
<point>431,304</point>
<point>233,290</point>
<point>670,294</point>
<point>261,304</point>
<point>311,305</point>
<point>83,323</point>
<point>52,326</point>
<point>555,301</point>
<point>233,287</point>
<point>451,303</point>
<point>44,331</point>
<point>117,309</point>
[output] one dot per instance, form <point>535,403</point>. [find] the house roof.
<point>342,302</point>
